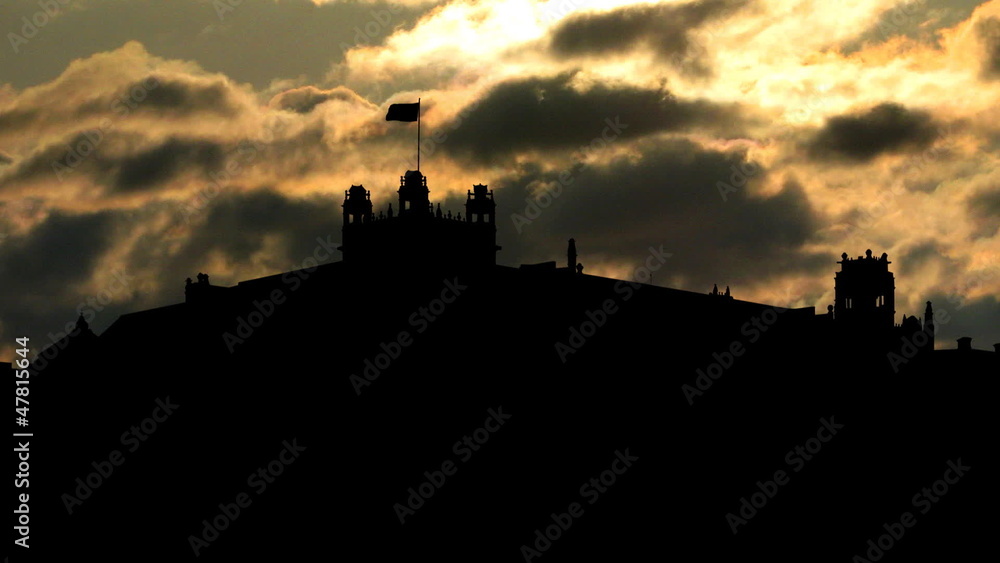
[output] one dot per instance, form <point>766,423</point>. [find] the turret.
<point>357,205</point>
<point>414,196</point>
<point>479,206</point>
<point>865,293</point>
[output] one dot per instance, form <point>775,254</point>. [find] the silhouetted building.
<point>416,236</point>
<point>384,366</point>
<point>865,293</point>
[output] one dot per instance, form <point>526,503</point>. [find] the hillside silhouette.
<point>418,400</point>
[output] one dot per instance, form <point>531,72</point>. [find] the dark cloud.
<point>155,166</point>
<point>57,161</point>
<point>167,97</point>
<point>661,27</point>
<point>885,128</point>
<point>154,96</point>
<point>15,119</point>
<point>305,99</point>
<point>984,210</point>
<point>914,257</point>
<point>989,33</point>
<point>548,113</point>
<point>43,268</point>
<point>670,197</point>
<point>237,225</point>
<point>57,253</point>
<point>919,20</point>
<point>976,318</point>
<point>124,162</point>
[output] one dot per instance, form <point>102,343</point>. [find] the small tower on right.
<point>865,293</point>
<point>480,207</point>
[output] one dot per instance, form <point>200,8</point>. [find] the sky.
<point>145,141</point>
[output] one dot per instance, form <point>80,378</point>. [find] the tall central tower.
<point>865,293</point>
<point>416,236</point>
<point>414,196</point>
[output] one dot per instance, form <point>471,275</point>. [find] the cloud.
<point>984,208</point>
<point>227,166</point>
<point>238,236</point>
<point>42,270</point>
<point>124,88</point>
<point>553,114</point>
<point>988,30</point>
<point>159,164</point>
<point>306,98</point>
<point>256,41</point>
<point>973,317</point>
<point>885,128</point>
<point>663,28</point>
<point>668,197</point>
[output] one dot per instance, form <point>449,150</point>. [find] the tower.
<point>417,236</point>
<point>481,205</point>
<point>865,294</point>
<point>357,205</point>
<point>414,196</point>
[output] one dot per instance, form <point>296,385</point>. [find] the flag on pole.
<point>407,112</point>
<point>403,112</point>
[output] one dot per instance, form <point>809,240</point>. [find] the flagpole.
<point>418,134</point>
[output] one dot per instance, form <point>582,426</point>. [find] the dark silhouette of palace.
<point>455,409</point>
<point>418,234</point>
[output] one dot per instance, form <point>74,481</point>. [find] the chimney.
<point>996,347</point>
<point>965,343</point>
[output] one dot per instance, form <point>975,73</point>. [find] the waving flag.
<point>407,112</point>
<point>403,112</point>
